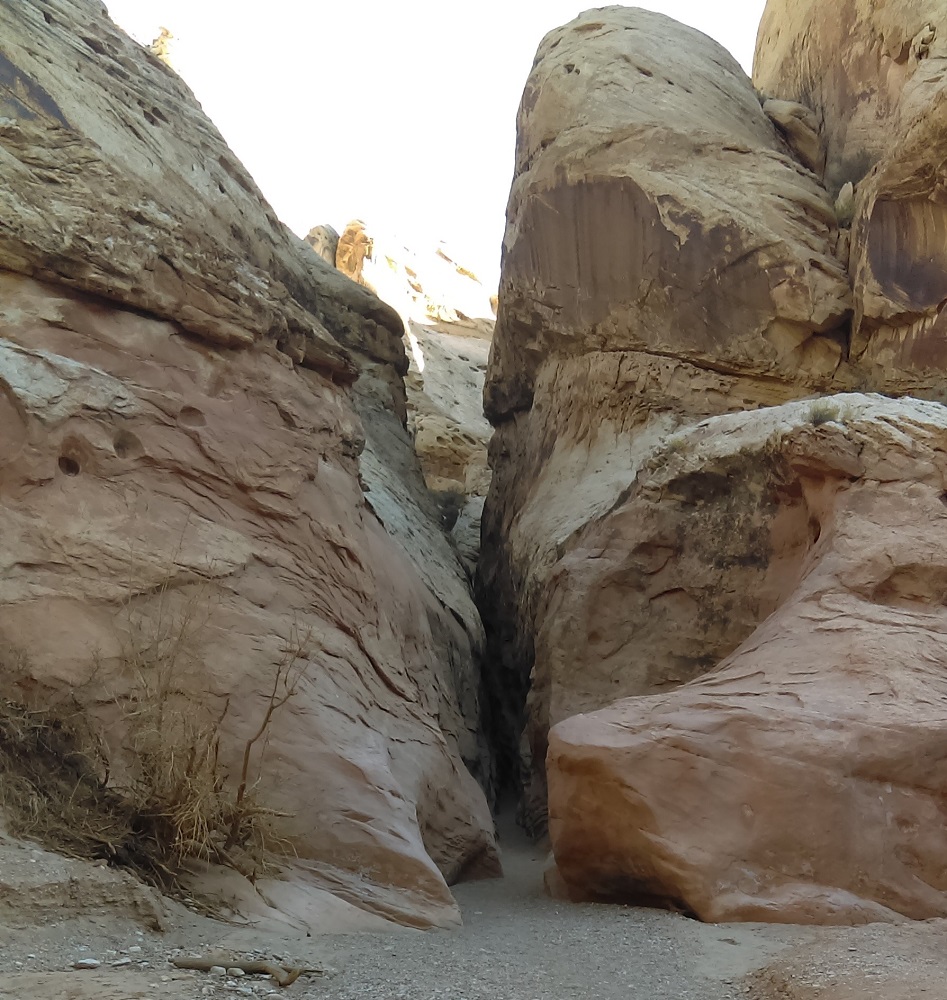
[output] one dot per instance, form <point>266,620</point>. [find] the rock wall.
<point>448,318</point>
<point>665,258</point>
<point>669,256</point>
<point>178,438</point>
<point>802,780</point>
<point>872,73</point>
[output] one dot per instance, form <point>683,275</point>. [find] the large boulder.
<point>184,469</point>
<point>803,778</point>
<point>665,258</point>
<point>872,73</point>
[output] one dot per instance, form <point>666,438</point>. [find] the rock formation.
<point>181,462</point>
<point>672,255</point>
<point>325,241</point>
<point>801,780</point>
<point>872,73</point>
<point>448,319</point>
<point>665,258</point>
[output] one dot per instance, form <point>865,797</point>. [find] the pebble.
<point>235,972</point>
<point>135,949</point>
<point>217,970</point>
<point>86,963</point>
<point>118,963</point>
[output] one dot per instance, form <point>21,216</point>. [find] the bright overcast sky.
<point>400,113</point>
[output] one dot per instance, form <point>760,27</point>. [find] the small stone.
<point>118,963</point>
<point>86,963</point>
<point>217,970</point>
<point>135,949</point>
<point>235,972</point>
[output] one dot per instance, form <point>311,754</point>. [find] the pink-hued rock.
<point>803,778</point>
<point>178,445</point>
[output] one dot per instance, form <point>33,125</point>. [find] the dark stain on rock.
<point>23,97</point>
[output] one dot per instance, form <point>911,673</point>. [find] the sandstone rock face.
<point>872,73</point>
<point>448,319</point>
<point>177,443</point>
<point>858,65</point>
<point>665,258</point>
<point>801,779</point>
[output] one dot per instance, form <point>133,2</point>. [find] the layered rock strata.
<point>801,779</point>
<point>178,444</point>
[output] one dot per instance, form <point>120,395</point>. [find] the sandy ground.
<point>516,944</point>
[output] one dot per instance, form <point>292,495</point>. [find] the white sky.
<point>399,112</point>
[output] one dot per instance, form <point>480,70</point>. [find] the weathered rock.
<point>176,446</point>
<point>167,232</point>
<point>801,129</point>
<point>448,319</point>
<point>654,210</point>
<point>856,64</point>
<point>872,71</point>
<point>802,779</point>
<point>665,258</point>
<point>325,241</point>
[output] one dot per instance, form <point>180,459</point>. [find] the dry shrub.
<point>173,800</point>
<point>53,777</point>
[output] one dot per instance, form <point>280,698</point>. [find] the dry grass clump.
<point>166,797</point>
<point>53,776</point>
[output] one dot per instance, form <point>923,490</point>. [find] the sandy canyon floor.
<point>516,944</point>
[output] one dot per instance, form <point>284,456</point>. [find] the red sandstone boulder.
<point>803,778</point>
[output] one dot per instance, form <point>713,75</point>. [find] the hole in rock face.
<point>190,416</point>
<point>127,445</point>
<point>47,17</point>
<point>68,466</point>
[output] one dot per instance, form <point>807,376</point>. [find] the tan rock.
<point>448,318</point>
<point>325,241</point>
<point>650,190</point>
<point>872,71</point>
<point>855,64</point>
<point>665,259</point>
<point>177,444</point>
<point>167,231</point>
<point>800,780</point>
<point>801,129</point>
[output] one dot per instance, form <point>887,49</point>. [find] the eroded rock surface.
<point>665,258</point>
<point>802,779</point>
<point>872,73</point>
<point>448,318</point>
<point>178,444</point>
